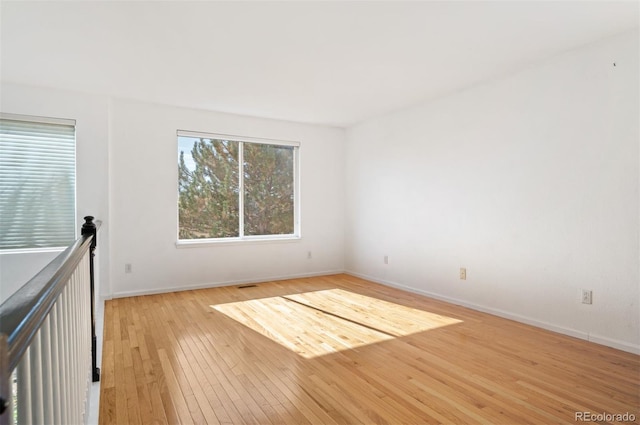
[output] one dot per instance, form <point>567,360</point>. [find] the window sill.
<point>200,243</point>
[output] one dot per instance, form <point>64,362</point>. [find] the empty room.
<point>319,212</point>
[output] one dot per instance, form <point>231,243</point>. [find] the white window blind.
<point>37,182</point>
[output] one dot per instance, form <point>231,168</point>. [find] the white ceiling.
<point>334,63</point>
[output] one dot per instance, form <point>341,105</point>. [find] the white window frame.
<point>242,238</point>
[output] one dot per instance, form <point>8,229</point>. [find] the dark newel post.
<point>89,228</point>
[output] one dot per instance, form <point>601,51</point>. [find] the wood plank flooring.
<point>342,350</point>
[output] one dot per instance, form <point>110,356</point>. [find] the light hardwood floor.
<point>341,350</point>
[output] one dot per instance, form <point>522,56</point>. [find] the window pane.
<point>268,190</point>
<point>37,184</point>
<point>208,187</point>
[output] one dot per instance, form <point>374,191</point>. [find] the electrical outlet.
<point>127,268</point>
<point>309,255</point>
<point>463,273</point>
<point>386,259</point>
<point>587,296</point>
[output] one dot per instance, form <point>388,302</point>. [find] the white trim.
<point>234,138</point>
<point>241,190</point>
<point>199,243</point>
<point>620,345</point>
<point>297,200</point>
<point>596,339</point>
<point>191,243</point>
<point>33,118</point>
<point>224,283</point>
<point>614,343</point>
<point>76,218</point>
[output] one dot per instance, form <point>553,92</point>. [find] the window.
<point>236,188</point>
<point>37,182</point>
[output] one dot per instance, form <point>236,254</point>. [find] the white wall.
<point>127,178</point>
<point>531,182</point>
<point>17,268</point>
<point>143,178</point>
<point>90,113</point>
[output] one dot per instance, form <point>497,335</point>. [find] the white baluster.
<point>24,389</point>
<point>37,408</point>
<point>64,356</point>
<point>66,341</point>
<point>47,371</point>
<point>55,365</point>
<point>73,360</point>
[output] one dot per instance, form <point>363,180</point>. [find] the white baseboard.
<point>609,342</point>
<point>614,343</point>
<point>125,294</point>
<point>597,339</point>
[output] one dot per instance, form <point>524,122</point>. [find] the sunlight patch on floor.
<point>322,322</point>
